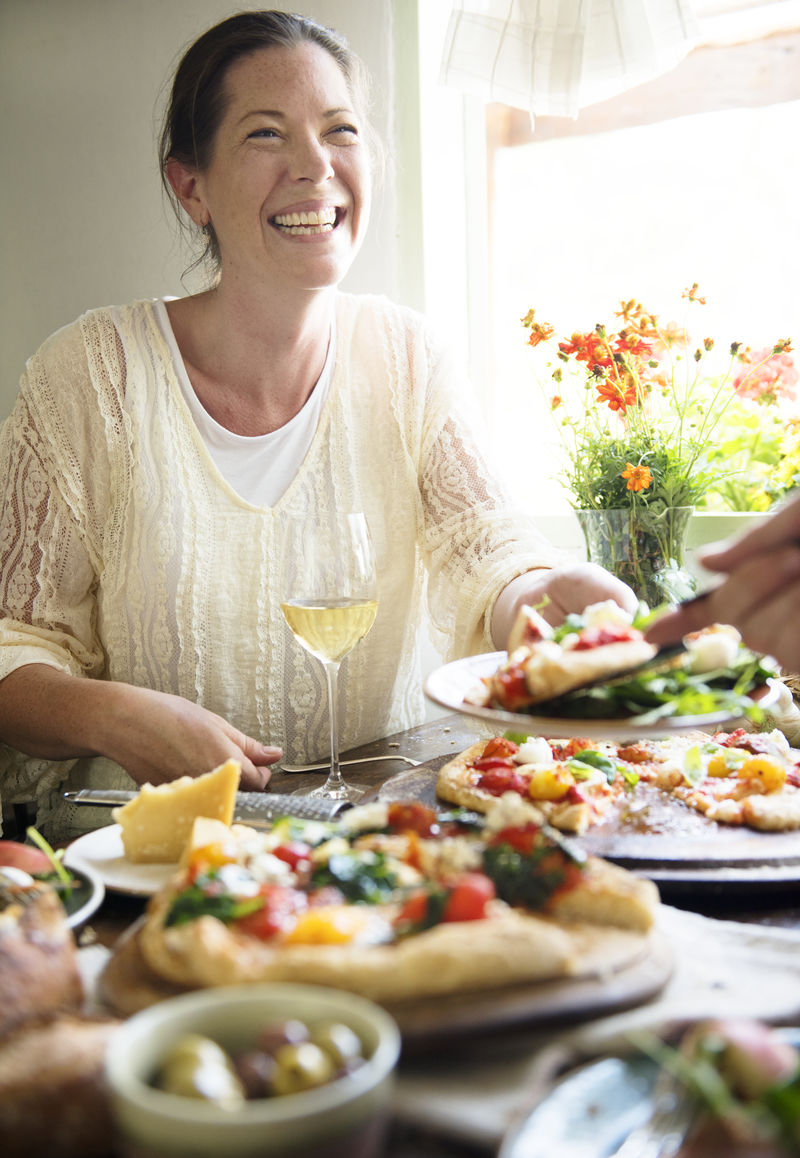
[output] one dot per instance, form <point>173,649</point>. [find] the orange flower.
<point>616,396</point>
<point>588,348</point>
<point>539,331</point>
<point>556,401</point>
<point>639,477</point>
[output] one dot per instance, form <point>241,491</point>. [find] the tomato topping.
<point>521,837</point>
<point>293,853</point>
<point>468,898</point>
<point>484,763</point>
<point>280,904</point>
<point>499,746</point>
<point>414,909</point>
<point>411,816</point>
<point>793,776</point>
<point>503,779</point>
<point>511,689</point>
<point>591,637</point>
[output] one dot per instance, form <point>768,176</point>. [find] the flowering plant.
<point>651,425</point>
<point>652,430</point>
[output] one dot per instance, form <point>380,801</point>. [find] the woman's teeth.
<point>304,223</point>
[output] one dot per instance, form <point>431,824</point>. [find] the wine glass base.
<point>350,792</point>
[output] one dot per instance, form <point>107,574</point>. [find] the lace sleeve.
<point>475,538</point>
<point>47,568</point>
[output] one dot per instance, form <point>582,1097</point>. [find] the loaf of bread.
<point>38,956</point>
<point>53,1096</point>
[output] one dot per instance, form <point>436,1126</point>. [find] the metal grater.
<point>258,809</point>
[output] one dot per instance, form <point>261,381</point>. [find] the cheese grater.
<point>258,809</point>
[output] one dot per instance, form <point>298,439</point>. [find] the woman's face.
<point>287,189</point>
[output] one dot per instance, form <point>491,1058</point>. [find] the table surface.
<point>430,741</point>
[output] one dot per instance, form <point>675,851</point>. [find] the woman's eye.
<point>347,129</point>
<point>267,133</point>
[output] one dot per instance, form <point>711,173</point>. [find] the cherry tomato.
<point>522,837</point>
<point>503,779</point>
<point>469,897</point>
<point>280,903</point>
<point>293,852</point>
<point>499,746</point>
<point>414,909</point>
<point>411,816</point>
<point>513,691</point>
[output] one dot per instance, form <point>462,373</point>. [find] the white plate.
<point>102,851</point>
<point>86,898</point>
<point>448,685</point>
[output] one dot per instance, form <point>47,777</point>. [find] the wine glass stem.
<point>334,776</point>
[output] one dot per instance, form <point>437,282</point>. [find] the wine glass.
<point>330,604</point>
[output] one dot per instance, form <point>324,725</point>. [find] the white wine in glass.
<point>331,605</point>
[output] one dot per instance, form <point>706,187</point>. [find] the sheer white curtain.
<point>554,57</point>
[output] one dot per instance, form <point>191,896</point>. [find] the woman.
<point>156,450</point>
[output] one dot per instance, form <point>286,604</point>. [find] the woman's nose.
<point>311,161</point>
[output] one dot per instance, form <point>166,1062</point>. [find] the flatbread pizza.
<point>598,664</point>
<point>395,901</point>
<point>734,778</point>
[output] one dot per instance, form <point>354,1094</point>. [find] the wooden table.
<point>437,738</point>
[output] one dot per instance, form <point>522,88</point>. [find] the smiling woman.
<point>157,451</point>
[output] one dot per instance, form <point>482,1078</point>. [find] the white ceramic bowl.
<point>344,1119</point>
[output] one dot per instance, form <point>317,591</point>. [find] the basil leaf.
<point>597,760</point>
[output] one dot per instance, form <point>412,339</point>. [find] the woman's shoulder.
<point>89,326</point>
<point>357,310</point>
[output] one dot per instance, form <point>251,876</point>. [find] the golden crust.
<point>551,671</point>
<point>508,948</point>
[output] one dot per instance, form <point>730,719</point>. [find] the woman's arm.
<point>154,736</point>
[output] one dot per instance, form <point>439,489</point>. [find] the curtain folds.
<point>554,57</point>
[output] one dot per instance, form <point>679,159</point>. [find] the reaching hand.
<point>760,594</point>
<point>565,589</point>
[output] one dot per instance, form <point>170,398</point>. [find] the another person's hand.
<point>158,737</point>
<point>760,594</point>
<point>555,593</point>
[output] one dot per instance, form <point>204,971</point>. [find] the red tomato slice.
<point>293,852</point>
<point>414,909</point>
<point>503,779</point>
<point>599,636</point>
<point>469,897</point>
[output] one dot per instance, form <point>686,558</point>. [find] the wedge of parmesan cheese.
<point>158,822</point>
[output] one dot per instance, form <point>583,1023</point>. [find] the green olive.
<point>301,1067</point>
<point>339,1041</point>
<point>196,1067</point>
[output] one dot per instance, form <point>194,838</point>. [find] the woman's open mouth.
<point>301,224</point>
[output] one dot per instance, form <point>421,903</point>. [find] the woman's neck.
<point>252,365</point>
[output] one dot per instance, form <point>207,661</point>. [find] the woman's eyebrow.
<point>282,116</point>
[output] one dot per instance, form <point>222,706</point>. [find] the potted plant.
<point>652,429</point>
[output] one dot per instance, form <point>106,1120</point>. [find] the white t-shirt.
<point>258,467</point>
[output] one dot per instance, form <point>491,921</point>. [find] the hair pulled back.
<point>197,99</point>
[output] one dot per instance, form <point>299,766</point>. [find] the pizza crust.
<point>551,670</point>
<point>509,948</point>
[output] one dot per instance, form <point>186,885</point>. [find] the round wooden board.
<point>127,985</point>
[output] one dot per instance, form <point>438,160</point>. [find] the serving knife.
<point>258,809</point>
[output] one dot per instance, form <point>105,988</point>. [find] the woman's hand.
<point>760,594</point>
<point>154,736</point>
<point>157,737</point>
<point>555,593</point>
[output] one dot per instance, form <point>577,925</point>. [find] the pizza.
<point>598,664</point>
<point>734,778</point>
<point>395,901</point>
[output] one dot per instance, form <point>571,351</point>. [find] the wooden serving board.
<point>127,986</point>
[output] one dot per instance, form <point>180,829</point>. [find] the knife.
<point>258,809</point>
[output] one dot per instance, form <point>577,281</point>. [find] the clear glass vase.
<point>644,548</point>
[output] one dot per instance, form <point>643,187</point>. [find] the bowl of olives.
<point>251,1070</point>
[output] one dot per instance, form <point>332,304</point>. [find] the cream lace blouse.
<point>124,554</point>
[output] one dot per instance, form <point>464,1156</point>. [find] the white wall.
<point>84,220</point>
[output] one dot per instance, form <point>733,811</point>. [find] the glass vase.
<point>644,548</point>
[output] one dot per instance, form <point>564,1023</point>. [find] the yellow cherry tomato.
<point>765,770</point>
<point>328,925</point>
<point>550,783</point>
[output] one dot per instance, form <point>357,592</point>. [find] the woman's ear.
<point>187,187</point>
